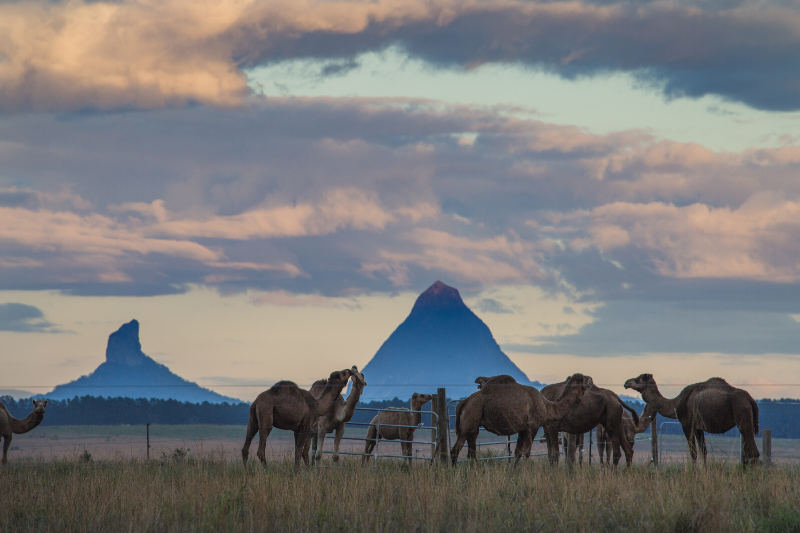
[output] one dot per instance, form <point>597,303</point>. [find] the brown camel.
<point>504,407</point>
<point>598,406</point>
<point>629,431</point>
<point>711,406</point>
<point>390,419</point>
<point>10,425</point>
<point>287,406</point>
<point>337,418</point>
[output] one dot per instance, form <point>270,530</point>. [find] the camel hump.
<point>283,386</point>
<point>318,387</point>
<point>502,379</point>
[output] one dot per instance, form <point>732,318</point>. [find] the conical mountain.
<point>128,372</point>
<point>442,343</point>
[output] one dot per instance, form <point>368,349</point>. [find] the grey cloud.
<point>23,318</point>
<point>635,327</point>
<point>490,305</point>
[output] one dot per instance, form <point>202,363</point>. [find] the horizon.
<point>267,186</point>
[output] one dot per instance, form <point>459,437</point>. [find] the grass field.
<point>207,495</point>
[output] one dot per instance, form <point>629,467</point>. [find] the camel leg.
<point>472,447</point>
<point>743,418</point>
<point>6,444</point>
<point>264,429</point>
<point>628,449</point>
<point>337,438</point>
<point>601,449</point>
<point>408,449</point>
<point>252,429</point>
<point>700,437</point>
<point>302,442</point>
<point>615,449</point>
<point>369,445</point>
<point>456,449</point>
<point>688,431</point>
<point>314,441</point>
<point>523,447</point>
<point>551,437</point>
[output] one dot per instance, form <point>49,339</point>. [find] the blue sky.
<point>267,185</point>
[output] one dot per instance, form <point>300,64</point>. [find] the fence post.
<point>148,441</point>
<point>654,441</point>
<point>568,443</point>
<point>590,445</point>
<point>766,447</point>
<point>434,424</point>
<point>441,430</point>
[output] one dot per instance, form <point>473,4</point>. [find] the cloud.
<point>149,55</point>
<point>490,305</point>
<point>643,328</point>
<point>21,318</point>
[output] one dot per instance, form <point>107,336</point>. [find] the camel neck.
<point>416,418</point>
<point>352,399</point>
<point>26,424</point>
<point>561,408</point>
<point>663,406</point>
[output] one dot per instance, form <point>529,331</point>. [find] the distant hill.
<point>15,393</point>
<point>128,372</point>
<point>441,344</point>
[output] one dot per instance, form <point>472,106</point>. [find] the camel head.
<point>480,381</point>
<point>358,376</point>
<point>38,406</point>
<point>339,378</point>
<point>418,400</point>
<point>639,384</point>
<point>579,381</point>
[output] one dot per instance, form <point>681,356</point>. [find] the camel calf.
<point>10,425</point>
<point>392,417</point>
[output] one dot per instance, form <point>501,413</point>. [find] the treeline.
<point>781,416</point>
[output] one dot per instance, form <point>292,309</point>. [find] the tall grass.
<point>211,495</point>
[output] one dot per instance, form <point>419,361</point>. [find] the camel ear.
<point>45,403</point>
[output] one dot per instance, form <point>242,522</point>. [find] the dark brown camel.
<point>388,421</point>
<point>337,418</point>
<point>10,425</point>
<point>598,406</point>
<point>287,406</point>
<point>711,406</point>
<point>629,432</point>
<point>504,407</point>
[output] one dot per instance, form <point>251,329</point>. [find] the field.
<point>193,494</point>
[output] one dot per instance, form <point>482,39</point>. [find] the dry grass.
<point>214,495</point>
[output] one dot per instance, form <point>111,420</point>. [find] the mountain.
<point>16,393</point>
<point>441,344</point>
<point>128,372</point>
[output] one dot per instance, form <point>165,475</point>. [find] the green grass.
<point>206,495</point>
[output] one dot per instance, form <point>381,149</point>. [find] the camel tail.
<point>459,408</point>
<point>252,422</point>
<point>754,405</point>
<point>633,413</point>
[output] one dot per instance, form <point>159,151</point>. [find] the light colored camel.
<point>10,425</point>
<point>598,406</point>
<point>504,407</point>
<point>711,406</point>
<point>337,418</point>
<point>389,420</point>
<point>287,406</point>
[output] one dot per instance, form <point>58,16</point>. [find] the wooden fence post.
<point>654,441</point>
<point>444,453</point>
<point>148,441</point>
<point>569,442</point>
<point>590,445</point>
<point>766,447</point>
<point>434,424</point>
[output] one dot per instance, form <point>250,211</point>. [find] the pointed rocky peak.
<point>124,347</point>
<point>439,296</point>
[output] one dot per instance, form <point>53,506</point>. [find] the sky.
<point>614,187</point>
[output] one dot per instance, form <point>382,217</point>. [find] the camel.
<point>389,420</point>
<point>287,406</point>
<point>711,406</point>
<point>504,407</point>
<point>598,406</point>
<point>10,425</point>
<point>337,418</point>
<point>629,431</point>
